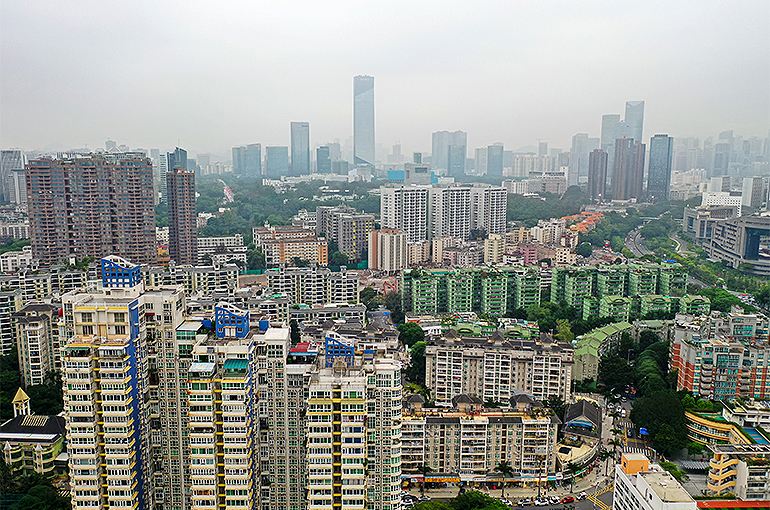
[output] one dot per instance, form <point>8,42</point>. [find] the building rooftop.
<point>665,486</point>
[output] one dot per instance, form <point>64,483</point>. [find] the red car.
<point>568,499</point>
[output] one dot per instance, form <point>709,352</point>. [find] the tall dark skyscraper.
<point>300,148</point>
<point>628,174</point>
<point>92,206</point>
<point>323,160</point>
<point>659,171</point>
<point>495,159</point>
<point>449,152</point>
<point>180,183</point>
<point>597,174</point>
<point>277,163</point>
<point>363,120</point>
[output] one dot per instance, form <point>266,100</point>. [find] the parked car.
<point>423,498</point>
<point>553,500</point>
<point>541,502</point>
<point>525,502</point>
<point>581,496</point>
<point>568,499</point>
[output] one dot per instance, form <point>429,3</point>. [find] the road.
<point>635,243</point>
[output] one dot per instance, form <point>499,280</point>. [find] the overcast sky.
<point>210,75</point>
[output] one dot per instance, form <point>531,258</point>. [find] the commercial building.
<point>659,171</point>
<point>11,161</point>
<point>247,161</point>
<point>753,194</point>
<point>723,198</point>
<point>91,206</point>
<point>387,250</point>
<point>640,485</point>
<point>497,369</point>
<point>737,241</point>
<point>449,152</point>
<point>182,226</point>
<point>698,222</point>
<point>276,162</point>
<point>300,148</point>
<point>495,159</point>
<point>363,120</point>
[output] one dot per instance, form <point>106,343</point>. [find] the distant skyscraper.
<point>480,165</point>
<point>659,172</point>
<point>323,161</point>
<point>300,148</point>
<point>542,149</point>
<point>753,193</point>
<point>449,152</point>
<point>635,119</point>
<point>180,182</point>
<point>9,160</point>
<point>247,161</point>
<point>628,175</point>
<point>363,120</point>
<point>597,174</point>
<point>91,206</point>
<point>495,159</point>
<point>277,162</point>
<point>582,146</point>
<point>110,145</point>
<point>607,141</point>
<point>204,160</point>
<point>721,157</point>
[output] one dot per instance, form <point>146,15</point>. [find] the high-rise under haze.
<point>300,148</point>
<point>182,216</point>
<point>277,162</point>
<point>495,154</point>
<point>597,174</point>
<point>247,160</point>
<point>659,171</point>
<point>635,119</point>
<point>91,206</point>
<point>363,120</point>
<point>628,174</point>
<point>323,162</point>
<point>449,152</point>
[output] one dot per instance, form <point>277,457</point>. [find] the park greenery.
<point>13,245</point>
<point>531,209</point>
<point>46,398</point>
<point>470,500</point>
<point>29,491</point>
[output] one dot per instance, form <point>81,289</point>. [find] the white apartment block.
<point>516,187</point>
<point>406,208</point>
<point>494,248</point>
<point>450,212</point>
<point>489,207</point>
<point>210,245</point>
<point>471,445</point>
<point>387,250</point>
<point>12,261</point>
<point>314,285</point>
<point>37,335</point>
<point>465,366</point>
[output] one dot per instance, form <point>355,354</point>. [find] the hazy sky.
<point>211,75</point>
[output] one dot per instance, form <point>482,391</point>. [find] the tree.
<point>393,303</point>
<point>556,404</point>
<point>614,371</point>
<point>695,448</point>
<point>584,250</point>
<point>477,234</point>
<point>415,372</point>
<point>507,471</point>
<point>762,296</point>
<point>10,381</point>
<point>605,455</point>
<point>255,259</point>
<point>338,259</point>
<point>474,500</point>
<point>298,262</point>
<point>47,398</point>
<point>662,414</point>
<point>563,331</point>
<point>367,296</point>
<point>572,468</point>
<point>424,469</point>
<point>646,338</point>
<point>615,443</point>
<point>410,333</point>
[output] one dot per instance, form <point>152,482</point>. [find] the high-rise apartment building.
<point>363,120</point>
<point>480,163</point>
<point>37,334</point>
<point>300,148</point>
<point>91,206</point>
<point>406,209</point>
<point>277,162</point>
<point>247,161</point>
<point>116,457</point>
<point>387,249</point>
<point>582,145</point>
<point>753,193</point>
<point>659,171</point>
<point>597,174</point>
<point>314,285</point>
<point>449,152</point>
<point>489,209</point>
<point>348,228</point>
<point>495,159</point>
<point>628,174</point>
<point>182,216</point>
<point>450,212</point>
<point>323,160</point>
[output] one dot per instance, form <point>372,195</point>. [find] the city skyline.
<point>729,64</point>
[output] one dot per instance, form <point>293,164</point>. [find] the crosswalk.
<point>631,449</point>
<point>598,503</point>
